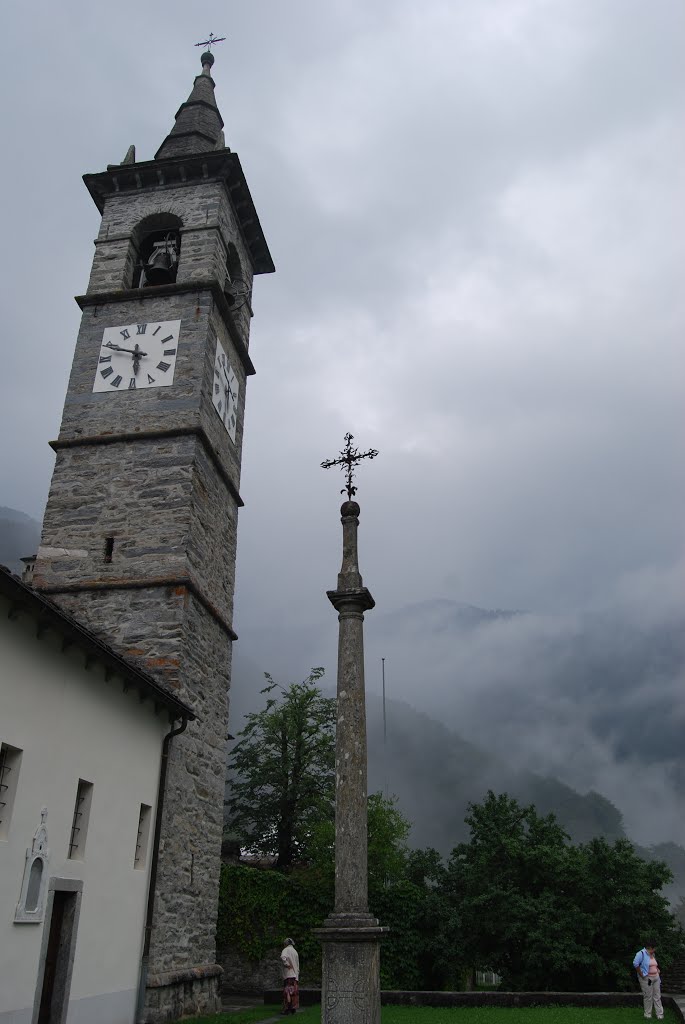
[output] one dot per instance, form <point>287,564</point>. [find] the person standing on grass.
<point>290,963</point>
<point>649,976</point>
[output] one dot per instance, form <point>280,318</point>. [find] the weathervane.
<point>349,457</point>
<point>212,39</point>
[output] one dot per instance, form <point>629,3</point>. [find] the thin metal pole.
<point>385,734</point>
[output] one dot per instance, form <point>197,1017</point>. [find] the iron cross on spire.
<point>349,457</point>
<point>209,43</point>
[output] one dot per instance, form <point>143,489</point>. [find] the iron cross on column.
<point>349,457</point>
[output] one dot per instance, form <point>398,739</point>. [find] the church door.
<point>57,975</point>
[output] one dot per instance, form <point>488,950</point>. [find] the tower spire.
<point>198,127</point>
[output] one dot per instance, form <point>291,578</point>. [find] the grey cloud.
<point>476,215</point>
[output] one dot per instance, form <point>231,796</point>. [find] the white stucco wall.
<point>71,724</point>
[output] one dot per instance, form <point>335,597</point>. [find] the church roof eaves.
<point>48,613</point>
<point>222,164</point>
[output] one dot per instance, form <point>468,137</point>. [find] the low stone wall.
<point>183,993</point>
<point>250,976</point>
<point>673,979</point>
<point>310,996</point>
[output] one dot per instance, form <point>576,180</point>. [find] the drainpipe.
<point>140,1009</point>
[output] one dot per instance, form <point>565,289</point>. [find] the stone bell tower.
<point>139,536</point>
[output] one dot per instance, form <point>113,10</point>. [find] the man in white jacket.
<point>290,963</point>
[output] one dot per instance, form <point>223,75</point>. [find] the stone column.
<point>350,936</point>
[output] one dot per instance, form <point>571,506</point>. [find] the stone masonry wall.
<point>186,404</point>
<point>209,225</point>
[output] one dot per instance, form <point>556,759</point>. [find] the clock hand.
<point>227,388</point>
<point>135,352</point>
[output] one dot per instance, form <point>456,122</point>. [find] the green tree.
<point>548,915</point>
<point>679,912</point>
<point>282,771</point>
<point>622,893</point>
<point>387,831</point>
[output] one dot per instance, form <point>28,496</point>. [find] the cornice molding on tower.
<point>160,290</point>
<point>196,103</point>
<point>152,582</point>
<point>90,440</point>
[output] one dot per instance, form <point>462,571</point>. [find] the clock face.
<point>225,391</point>
<point>137,356</point>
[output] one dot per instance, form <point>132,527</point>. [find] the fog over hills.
<point>19,536</point>
<point>580,714</point>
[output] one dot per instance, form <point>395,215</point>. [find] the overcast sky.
<point>476,213</point>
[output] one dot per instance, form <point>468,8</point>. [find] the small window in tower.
<point>10,759</point>
<point>142,836</point>
<point>109,549</point>
<point>79,824</point>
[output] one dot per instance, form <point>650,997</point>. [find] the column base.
<point>183,993</point>
<point>350,975</point>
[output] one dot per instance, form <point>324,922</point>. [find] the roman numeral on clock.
<point>107,372</point>
<point>157,329</point>
<point>132,384</point>
<point>163,366</point>
<point>124,334</point>
<point>169,351</point>
<point>150,379</point>
<point>105,359</point>
<point>117,381</point>
<point>169,337</point>
<point>141,328</point>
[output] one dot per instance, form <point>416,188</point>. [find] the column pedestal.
<point>350,976</point>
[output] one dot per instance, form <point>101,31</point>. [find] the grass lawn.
<point>247,1016</point>
<point>458,1015</point>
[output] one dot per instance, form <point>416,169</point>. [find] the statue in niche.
<point>31,905</point>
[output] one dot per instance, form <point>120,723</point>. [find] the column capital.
<point>357,600</point>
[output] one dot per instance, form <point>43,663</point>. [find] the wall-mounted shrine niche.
<point>31,905</point>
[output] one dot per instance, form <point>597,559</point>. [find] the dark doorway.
<point>58,953</point>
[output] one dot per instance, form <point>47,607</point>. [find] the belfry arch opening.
<point>157,242</point>
<point>235,287</point>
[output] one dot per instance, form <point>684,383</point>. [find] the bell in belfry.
<point>162,262</point>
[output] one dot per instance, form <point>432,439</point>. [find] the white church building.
<point>82,736</point>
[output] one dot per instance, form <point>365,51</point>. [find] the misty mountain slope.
<point>19,537</point>
<point>435,774</point>
<point>595,700</point>
<point>592,703</point>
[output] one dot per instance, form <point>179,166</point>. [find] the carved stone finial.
<point>349,508</point>
<point>130,157</point>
